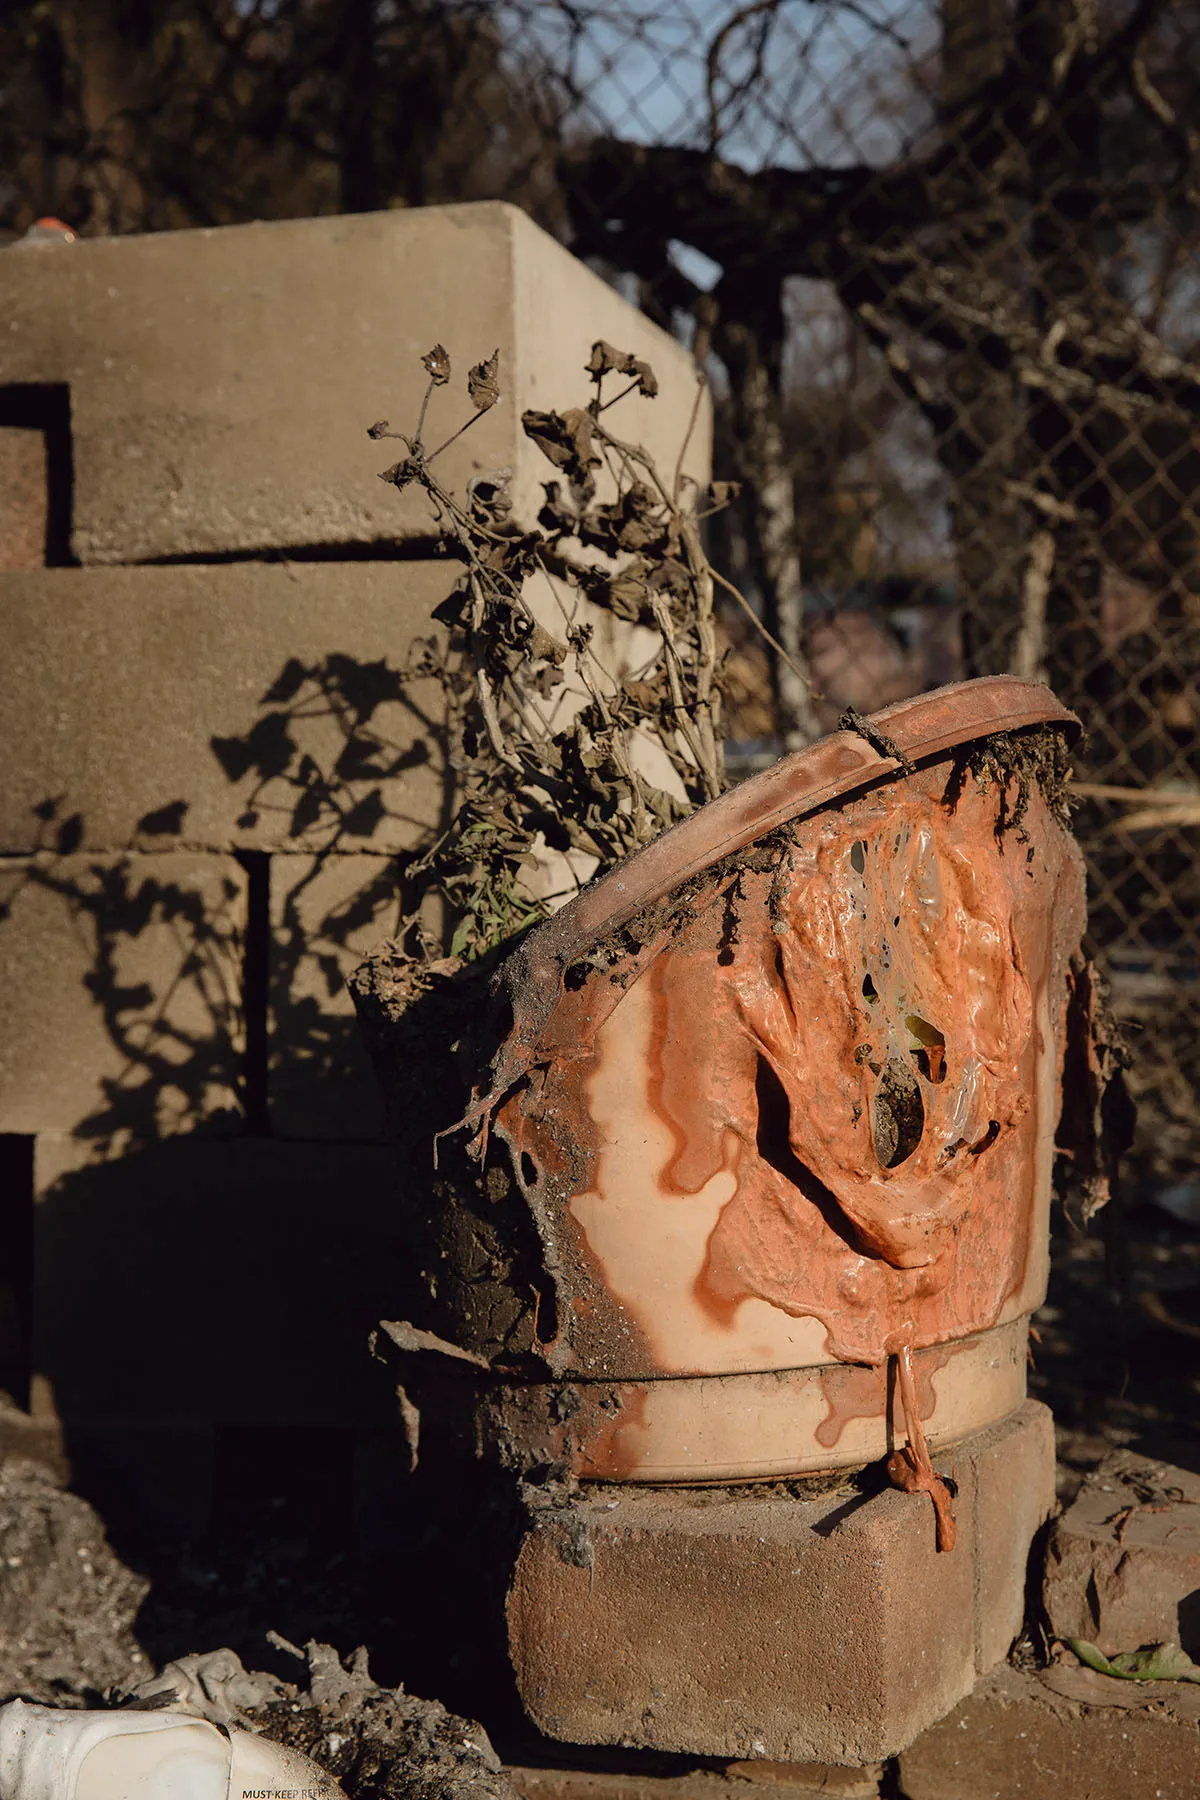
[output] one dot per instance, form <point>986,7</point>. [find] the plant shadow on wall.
<point>215,1236</point>
<point>159,958</point>
<point>221,1227</point>
<point>348,760</point>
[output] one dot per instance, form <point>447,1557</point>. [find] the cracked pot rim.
<point>836,767</point>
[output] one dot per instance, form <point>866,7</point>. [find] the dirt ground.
<point>1117,1358</point>
<point>1118,1361</point>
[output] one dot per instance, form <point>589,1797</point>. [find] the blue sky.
<point>827,67</point>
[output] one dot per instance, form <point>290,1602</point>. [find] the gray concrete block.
<point>326,914</point>
<point>150,701</point>
<point>739,1781</point>
<point>1011,1475</point>
<point>122,985</point>
<point>717,1625</point>
<point>222,381</point>
<point>723,1623</point>
<point>24,498</point>
<point>214,1283</point>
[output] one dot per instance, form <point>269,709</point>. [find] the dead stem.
<point>537,774</point>
<point>701,385</point>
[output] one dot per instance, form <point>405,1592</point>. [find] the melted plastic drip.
<point>910,1467</point>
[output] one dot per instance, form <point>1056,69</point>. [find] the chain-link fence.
<point>939,260</point>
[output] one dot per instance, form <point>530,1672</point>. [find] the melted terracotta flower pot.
<point>781,1094</point>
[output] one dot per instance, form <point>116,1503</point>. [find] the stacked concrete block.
<point>758,1625</point>
<point>222,381</point>
<point>327,912</point>
<point>193,1295</point>
<point>211,767</point>
<point>141,700</point>
<point>737,1781</point>
<point>23,492</point>
<point>149,702</point>
<point>122,992</point>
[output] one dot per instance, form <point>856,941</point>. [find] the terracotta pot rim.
<point>835,767</point>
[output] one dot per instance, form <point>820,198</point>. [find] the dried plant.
<point>570,757</point>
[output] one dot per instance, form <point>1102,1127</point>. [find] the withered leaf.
<point>627,595</point>
<point>543,646</point>
<point>604,360</point>
<point>593,751</point>
<point>633,519</point>
<point>401,473</point>
<point>539,818</point>
<point>483,387</point>
<point>1153,1662</point>
<point>379,429</point>
<point>647,379</point>
<point>635,534</point>
<point>720,493</point>
<point>437,363</point>
<point>565,438</point>
<point>550,435</point>
<point>647,699</point>
<point>670,577</point>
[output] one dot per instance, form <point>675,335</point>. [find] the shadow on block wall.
<point>218,1224</point>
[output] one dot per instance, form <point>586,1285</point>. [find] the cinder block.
<point>739,1781</point>
<point>729,1624</point>
<point>215,1283</point>
<point>725,1626</point>
<point>122,980</point>
<point>326,914</point>
<point>222,381</point>
<point>1123,1563</point>
<point>159,704</point>
<point>1015,1739</point>
<point>24,498</point>
<point>1010,1469</point>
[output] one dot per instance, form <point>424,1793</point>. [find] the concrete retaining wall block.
<point>160,706</point>
<point>222,381</point>
<point>734,1625</point>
